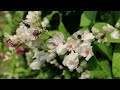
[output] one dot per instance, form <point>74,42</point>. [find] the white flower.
<point>115,34</point>
<point>85,75</point>
<point>78,34</point>
<point>45,22</point>
<point>71,61</point>
<point>79,46</point>
<point>55,40</point>
<point>117,25</point>
<point>36,65</point>
<point>15,39</point>
<point>36,43</point>
<point>39,55</point>
<point>7,36</point>
<point>79,69</point>
<point>33,16</point>
<point>50,56</point>
<point>21,29</point>
<point>85,44</point>
<point>32,33</point>
<point>72,44</point>
<point>86,51</point>
<point>83,63</point>
<point>28,56</point>
<point>95,30</point>
<point>61,49</point>
<point>87,36</point>
<point>108,28</point>
<point>101,37</point>
<point>44,56</point>
<point>53,61</point>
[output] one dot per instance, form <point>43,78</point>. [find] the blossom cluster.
<point>72,53</point>
<point>28,30</point>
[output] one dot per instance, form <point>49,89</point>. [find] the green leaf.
<point>8,29</point>
<point>99,25</point>
<point>99,68</point>
<point>104,49</point>
<point>94,67</point>
<point>49,17</point>
<point>67,74</point>
<point>87,18</point>
<point>62,29</point>
<point>116,61</point>
<point>93,64</point>
<point>105,65</point>
<point>53,32</point>
<point>111,40</point>
<point>117,15</point>
<point>20,70</point>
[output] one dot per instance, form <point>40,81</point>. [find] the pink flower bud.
<point>19,51</point>
<point>9,44</point>
<point>2,54</point>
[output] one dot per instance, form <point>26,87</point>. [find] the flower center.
<point>87,52</point>
<point>70,45</point>
<point>54,44</point>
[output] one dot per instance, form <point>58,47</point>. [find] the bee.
<point>34,58</point>
<point>36,32</point>
<point>78,36</point>
<point>26,24</point>
<point>103,36</point>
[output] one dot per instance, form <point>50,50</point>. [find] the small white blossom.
<point>71,61</point>
<point>79,69</point>
<point>117,25</point>
<point>55,40</point>
<point>15,39</point>
<point>108,28</point>
<point>85,75</point>
<point>53,61</point>
<point>72,44</point>
<point>36,65</point>
<point>78,34</point>
<point>79,46</point>
<point>87,36</point>
<point>115,34</point>
<point>95,30</point>
<point>36,43</point>
<point>85,44</point>
<point>83,63</point>
<point>61,49</point>
<point>50,56</point>
<point>45,22</point>
<point>28,56</point>
<point>101,37</point>
<point>33,16</point>
<point>39,55</point>
<point>44,56</point>
<point>86,51</point>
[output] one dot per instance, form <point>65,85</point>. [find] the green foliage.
<point>104,49</point>
<point>116,61</point>
<point>99,68</point>
<point>88,18</point>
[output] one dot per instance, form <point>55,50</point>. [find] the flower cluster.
<point>72,53</point>
<point>28,30</point>
<point>101,35</point>
<point>73,50</point>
